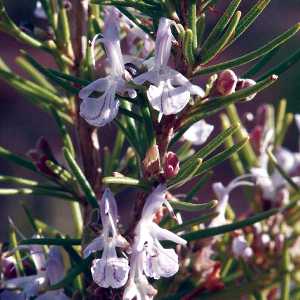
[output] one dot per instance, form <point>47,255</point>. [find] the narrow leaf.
<point>51,241</point>
<point>205,233</point>
<point>193,207</point>
<point>82,181</point>
<point>122,180</point>
<point>245,59</point>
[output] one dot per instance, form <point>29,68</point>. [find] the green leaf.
<point>81,179</point>
<point>30,88</point>
<point>205,233</point>
<point>250,17</point>
<point>247,153</point>
<point>220,157</point>
<point>55,79</point>
<point>188,47</point>
<point>66,138</point>
<point>219,28</point>
<point>68,77</point>
<point>245,59</point>
<point>18,180</point>
<point>218,46</point>
<point>185,174</point>
<point>198,186</point>
<point>7,155</point>
<point>34,73</point>
<point>129,136</point>
<point>130,114</point>
<point>280,118</point>
<point>51,241</point>
<point>37,191</point>
<point>260,64</point>
<point>235,160</point>
<point>126,181</point>
<point>14,243</point>
<point>194,221</point>
<point>30,218</point>
<point>283,66</point>
<point>46,229</point>
<point>193,207</point>
<point>192,18</point>
<point>200,29</point>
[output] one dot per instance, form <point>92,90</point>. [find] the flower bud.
<point>256,138</point>
<point>246,83</point>
<point>226,82</point>
<point>171,167</point>
<point>151,163</point>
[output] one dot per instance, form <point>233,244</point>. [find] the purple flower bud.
<point>226,82</point>
<point>246,83</point>
<point>171,167</point>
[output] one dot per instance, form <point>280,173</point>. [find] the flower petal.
<point>99,85</point>
<point>102,110</point>
<point>153,202</point>
<point>164,234</point>
<point>198,133</point>
<point>161,263</point>
<point>178,79</point>
<point>168,99</point>
<point>55,269</point>
<point>94,246</point>
<point>151,76</point>
<point>163,42</point>
<point>111,272</point>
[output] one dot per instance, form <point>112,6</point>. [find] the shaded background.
<point>21,124</point>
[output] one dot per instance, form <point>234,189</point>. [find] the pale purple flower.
<point>270,184</point>
<point>198,133</point>
<point>36,285</point>
<point>223,193</point>
<point>240,248</point>
<point>110,270</point>
<point>148,255</point>
<point>102,108</point>
<point>169,91</point>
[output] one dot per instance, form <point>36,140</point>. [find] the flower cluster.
<point>147,255</point>
<point>169,91</point>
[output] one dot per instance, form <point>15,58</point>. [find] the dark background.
<point>21,124</point>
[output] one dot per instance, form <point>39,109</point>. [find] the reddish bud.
<point>226,82</point>
<point>246,83</point>
<point>256,135</point>
<point>171,167</point>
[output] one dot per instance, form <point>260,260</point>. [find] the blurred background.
<point>21,124</point>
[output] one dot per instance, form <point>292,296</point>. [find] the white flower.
<point>222,194</point>
<point>169,90</point>
<point>102,108</point>
<point>240,248</point>
<point>198,133</point>
<point>148,255</point>
<point>110,270</point>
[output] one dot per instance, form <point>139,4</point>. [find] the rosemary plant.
<point>134,68</point>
